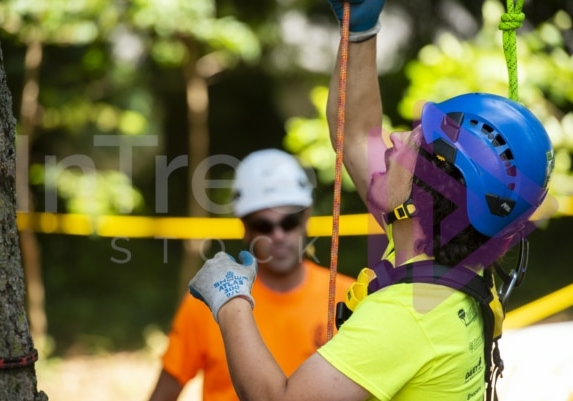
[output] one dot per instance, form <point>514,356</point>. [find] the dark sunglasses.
<point>264,226</point>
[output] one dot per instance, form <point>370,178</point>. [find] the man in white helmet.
<point>273,197</point>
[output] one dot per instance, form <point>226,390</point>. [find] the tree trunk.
<point>17,353</point>
<point>197,117</point>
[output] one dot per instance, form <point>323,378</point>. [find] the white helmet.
<point>269,178</point>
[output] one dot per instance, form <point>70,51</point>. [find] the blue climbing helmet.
<point>502,151</point>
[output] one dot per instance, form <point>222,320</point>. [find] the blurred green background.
<point>204,78</point>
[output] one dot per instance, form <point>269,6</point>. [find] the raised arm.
<point>224,285</point>
<point>363,112</point>
<point>363,144</point>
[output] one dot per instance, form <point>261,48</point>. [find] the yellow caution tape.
<point>177,227</point>
<point>539,309</point>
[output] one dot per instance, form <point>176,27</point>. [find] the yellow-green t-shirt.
<point>412,342</point>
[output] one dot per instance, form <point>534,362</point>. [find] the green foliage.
<point>77,114</point>
<point>309,138</point>
<point>450,67</point>
<point>103,292</point>
<point>95,193</point>
<point>101,89</point>
<point>174,21</point>
<point>58,21</point>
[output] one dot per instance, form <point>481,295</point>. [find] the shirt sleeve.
<point>381,347</point>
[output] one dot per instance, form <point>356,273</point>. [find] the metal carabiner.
<point>515,277</point>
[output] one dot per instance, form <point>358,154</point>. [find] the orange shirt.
<point>292,324</point>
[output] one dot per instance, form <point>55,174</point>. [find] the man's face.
<point>392,187</point>
<point>276,237</point>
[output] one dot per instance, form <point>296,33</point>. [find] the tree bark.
<point>17,353</point>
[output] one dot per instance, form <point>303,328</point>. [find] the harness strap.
<point>427,271</point>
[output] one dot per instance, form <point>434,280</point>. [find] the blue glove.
<point>222,279</point>
<point>364,15</point>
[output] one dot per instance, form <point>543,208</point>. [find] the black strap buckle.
<point>405,211</point>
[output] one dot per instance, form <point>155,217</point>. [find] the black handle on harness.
<point>342,314</point>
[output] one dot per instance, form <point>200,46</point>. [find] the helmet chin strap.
<point>405,211</point>
<point>509,280</point>
<point>408,209</point>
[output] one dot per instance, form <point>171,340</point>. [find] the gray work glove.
<point>221,279</point>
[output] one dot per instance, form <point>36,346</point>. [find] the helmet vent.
<point>498,141</point>
<point>506,155</point>
<point>451,125</point>
<point>486,129</point>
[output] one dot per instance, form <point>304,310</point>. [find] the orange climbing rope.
<point>343,68</point>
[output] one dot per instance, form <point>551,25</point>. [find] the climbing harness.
<point>338,167</point>
<point>480,287</point>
